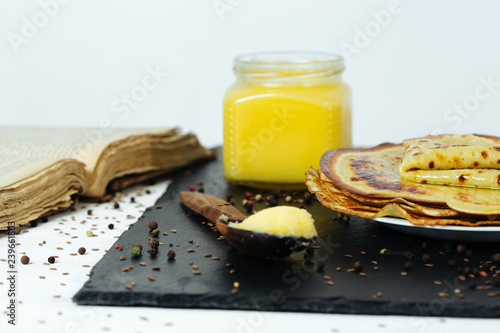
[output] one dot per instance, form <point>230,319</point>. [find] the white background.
<point>73,69</point>
<point>406,75</point>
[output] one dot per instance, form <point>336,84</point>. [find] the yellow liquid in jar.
<point>272,135</point>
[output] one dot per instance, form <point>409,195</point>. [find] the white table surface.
<point>45,305</point>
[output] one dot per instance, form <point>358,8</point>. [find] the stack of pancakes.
<point>436,180</point>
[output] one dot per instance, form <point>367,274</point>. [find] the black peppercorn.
<point>111,226</point>
<point>273,202</point>
<point>472,285</point>
<point>357,266</point>
<point>116,205</point>
<point>171,254</point>
<point>448,247</point>
<point>51,260</point>
<point>154,243</point>
<point>153,225</point>
<point>307,197</point>
<point>321,266</point>
<point>408,265</point>
<point>467,270</point>
<point>426,258</point>
<point>451,263</point>
<point>469,253</point>
<point>496,257</point>
<point>82,250</point>
<point>461,248</point>
<point>497,281</point>
<point>408,255</point>
<point>475,271</point>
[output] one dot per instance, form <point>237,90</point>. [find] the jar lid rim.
<point>290,58</point>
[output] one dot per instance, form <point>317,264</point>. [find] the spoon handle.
<point>210,207</point>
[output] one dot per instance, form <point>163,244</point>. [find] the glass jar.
<point>283,112</point>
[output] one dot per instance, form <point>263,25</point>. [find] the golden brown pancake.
<point>450,159</point>
<point>366,183</point>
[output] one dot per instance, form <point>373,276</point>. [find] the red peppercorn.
<point>248,195</point>
<point>192,188</point>
<point>117,246</point>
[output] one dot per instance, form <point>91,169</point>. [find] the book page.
<point>25,151</point>
<point>82,144</point>
<point>13,168</point>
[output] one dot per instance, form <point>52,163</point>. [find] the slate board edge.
<point>333,305</point>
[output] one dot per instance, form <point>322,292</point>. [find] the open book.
<point>41,169</point>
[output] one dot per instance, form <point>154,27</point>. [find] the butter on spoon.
<point>275,232</point>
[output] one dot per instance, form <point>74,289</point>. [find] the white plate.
<point>454,233</point>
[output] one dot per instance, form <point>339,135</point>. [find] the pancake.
<point>450,159</point>
<point>374,174</point>
<point>332,197</point>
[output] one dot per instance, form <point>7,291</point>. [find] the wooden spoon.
<point>258,244</point>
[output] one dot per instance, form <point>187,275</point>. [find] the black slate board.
<point>291,284</point>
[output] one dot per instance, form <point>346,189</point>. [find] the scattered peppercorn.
<point>386,253</point>
<point>89,212</point>
<point>132,200</point>
<point>497,281</point>
<point>152,225</point>
<point>469,253</point>
<point>472,285</point>
<point>82,250</point>
<point>153,251</point>
<point>461,248</point>
<point>448,246</point>
<point>273,202</point>
<point>408,265</point>
<point>451,263</point>
<point>171,254</point>
<point>90,233</point>
<point>248,205</point>
<point>248,195</point>
<point>357,266</point>
<point>408,254</point>
<point>25,260</point>
<point>116,205</point>
<point>258,197</point>
<point>111,226</point>
<point>154,243</point>
<point>51,260</point>
<point>135,252</point>
<point>426,258</point>
<point>192,188</point>
<point>307,197</point>
<point>496,257</point>
<point>155,232</point>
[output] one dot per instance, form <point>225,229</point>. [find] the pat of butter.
<point>282,221</point>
